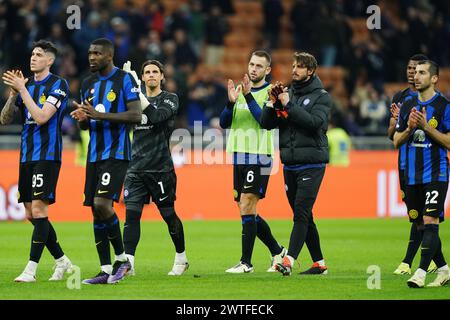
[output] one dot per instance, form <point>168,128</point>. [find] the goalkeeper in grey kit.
<point>151,172</point>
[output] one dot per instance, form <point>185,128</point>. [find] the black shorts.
<point>160,186</point>
<point>426,200</point>
<point>250,179</point>
<point>104,179</point>
<point>37,181</point>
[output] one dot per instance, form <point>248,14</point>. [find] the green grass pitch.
<point>350,246</point>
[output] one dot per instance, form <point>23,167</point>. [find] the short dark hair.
<point>262,53</point>
<point>418,57</point>
<point>306,60</point>
<point>154,62</point>
<point>105,43</point>
<point>433,67</point>
<point>45,45</point>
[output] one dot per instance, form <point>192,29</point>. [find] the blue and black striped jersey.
<point>426,160</point>
<point>399,98</point>
<point>43,142</point>
<point>109,94</point>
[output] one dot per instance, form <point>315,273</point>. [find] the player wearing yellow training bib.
<point>252,149</point>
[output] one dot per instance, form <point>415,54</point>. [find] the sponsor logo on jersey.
<point>60,92</point>
<point>170,103</point>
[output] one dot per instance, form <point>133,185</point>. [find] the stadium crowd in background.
<point>191,37</point>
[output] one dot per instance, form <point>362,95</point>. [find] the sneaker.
<point>178,268</point>
<point>432,267</point>
<point>241,267</point>
<point>316,269</point>
<point>285,268</point>
<point>443,277</point>
<point>131,272</point>
<point>120,269</point>
<point>101,278</point>
<point>277,259</point>
<point>62,266</point>
<point>403,268</point>
<point>25,277</point>
<point>416,281</point>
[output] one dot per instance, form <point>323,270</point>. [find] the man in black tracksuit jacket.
<point>301,114</point>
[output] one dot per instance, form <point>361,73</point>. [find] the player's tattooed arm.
<point>10,107</point>
<point>8,110</point>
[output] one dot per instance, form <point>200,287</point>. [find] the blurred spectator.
<point>119,34</point>
<point>216,29</point>
<point>272,11</point>
<point>82,38</point>
<point>303,29</point>
<point>326,26</point>
<point>374,112</point>
<point>184,54</point>
<point>196,31</point>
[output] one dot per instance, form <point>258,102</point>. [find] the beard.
<point>422,88</point>
<point>256,79</point>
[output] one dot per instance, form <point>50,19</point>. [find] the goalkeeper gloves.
<point>144,101</point>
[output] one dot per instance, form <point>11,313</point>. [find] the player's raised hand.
<point>78,114</point>
<point>395,109</point>
<point>15,80</point>
<point>413,120</point>
<point>127,68</point>
<point>12,91</point>
<point>284,96</point>
<point>246,85</point>
<point>233,92</point>
<point>277,88</point>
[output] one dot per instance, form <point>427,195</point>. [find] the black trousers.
<point>302,187</point>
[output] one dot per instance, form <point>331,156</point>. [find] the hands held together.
<point>84,111</point>
<point>279,93</point>
<point>417,119</point>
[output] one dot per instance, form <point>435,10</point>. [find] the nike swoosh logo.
<point>97,243</point>
<point>304,179</point>
<point>102,191</point>
<point>431,210</point>
<point>37,242</point>
<point>162,199</point>
<point>246,187</point>
<point>38,193</point>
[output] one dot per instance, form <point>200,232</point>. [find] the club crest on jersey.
<point>433,122</point>
<point>42,99</point>
<point>413,213</point>
<point>111,96</point>
<point>306,102</point>
<point>144,119</point>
